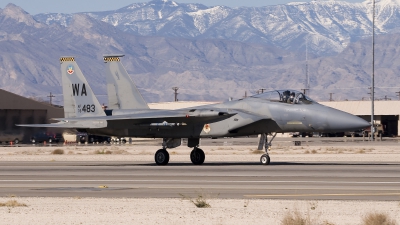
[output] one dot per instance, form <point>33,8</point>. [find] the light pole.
<point>373,71</point>
<point>175,89</point>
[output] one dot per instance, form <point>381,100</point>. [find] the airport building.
<point>15,109</point>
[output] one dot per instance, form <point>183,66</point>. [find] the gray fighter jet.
<point>278,111</point>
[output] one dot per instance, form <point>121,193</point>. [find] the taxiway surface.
<point>279,180</point>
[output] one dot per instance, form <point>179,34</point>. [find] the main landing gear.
<point>161,157</point>
<point>197,155</point>
<point>265,159</point>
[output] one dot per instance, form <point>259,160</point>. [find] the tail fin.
<point>122,92</point>
<point>79,99</point>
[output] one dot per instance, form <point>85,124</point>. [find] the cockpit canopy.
<point>285,96</point>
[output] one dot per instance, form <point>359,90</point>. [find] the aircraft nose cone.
<point>347,122</point>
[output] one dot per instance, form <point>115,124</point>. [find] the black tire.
<point>16,141</point>
<point>123,141</point>
<point>197,156</point>
<point>161,157</point>
<point>265,159</point>
<point>50,140</point>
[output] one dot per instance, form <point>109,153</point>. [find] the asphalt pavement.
<point>279,180</point>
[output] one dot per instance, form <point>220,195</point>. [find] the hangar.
<point>15,109</point>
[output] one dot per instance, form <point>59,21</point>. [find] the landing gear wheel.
<point>50,140</point>
<point>197,156</point>
<point>265,160</point>
<point>16,141</point>
<point>161,157</point>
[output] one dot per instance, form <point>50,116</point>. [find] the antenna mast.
<point>307,88</point>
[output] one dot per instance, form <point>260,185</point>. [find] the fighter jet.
<point>277,111</point>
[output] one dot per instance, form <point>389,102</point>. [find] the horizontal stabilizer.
<point>157,115</point>
<point>71,124</point>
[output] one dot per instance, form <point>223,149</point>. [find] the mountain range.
<point>203,67</point>
<point>327,26</point>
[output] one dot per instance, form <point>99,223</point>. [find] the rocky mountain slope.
<point>327,26</point>
<point>206,69</point>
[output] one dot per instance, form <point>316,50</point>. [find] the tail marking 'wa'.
<point>79,99</point>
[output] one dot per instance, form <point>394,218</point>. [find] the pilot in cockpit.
<point>291,98</point>
<point>286,96</point>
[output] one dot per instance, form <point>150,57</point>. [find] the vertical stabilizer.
<point>79,99</point>
<point>122,92</point>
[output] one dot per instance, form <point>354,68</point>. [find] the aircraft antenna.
<point>307,75</point>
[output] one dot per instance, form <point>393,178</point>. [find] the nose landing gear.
<point>265,159</point>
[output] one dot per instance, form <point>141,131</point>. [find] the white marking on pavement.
<point>216,181</point>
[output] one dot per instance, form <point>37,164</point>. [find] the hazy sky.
<point>71,6</point>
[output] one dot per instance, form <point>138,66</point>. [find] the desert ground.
<point>182,210</point>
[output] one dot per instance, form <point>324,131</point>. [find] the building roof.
<point>10,100</point>
<point>361,108</point>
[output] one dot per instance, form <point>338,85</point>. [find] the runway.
<point>279,180</point>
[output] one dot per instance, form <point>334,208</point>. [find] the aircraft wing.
<point>246,119</point>
<point>193,115</point>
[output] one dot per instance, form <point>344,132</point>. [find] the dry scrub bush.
<point>378,219</point>
<point>103,151</point>
<point>120,152</point>
<point>201,201</point>
<point>257,152</point>
<point>361,151</point>
<point>12,203</point>
<point>57,151</point>
<point>296,218</point>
